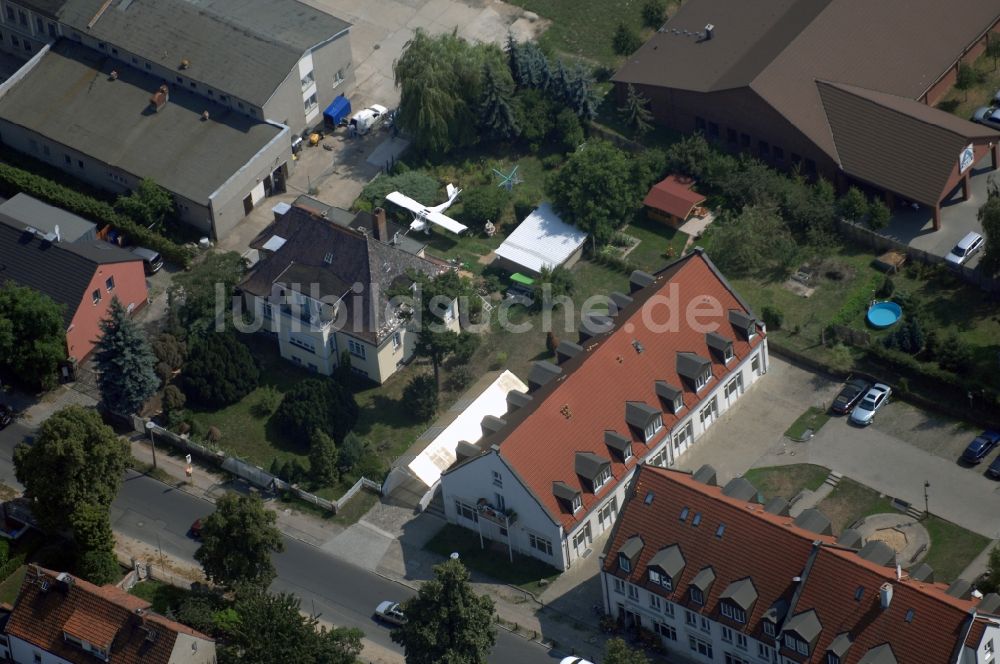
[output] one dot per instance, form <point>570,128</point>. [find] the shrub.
<point>173,399</point>
<point>421,396</point>
<point>907,338</point>
<point>570,131</point>
<point>458,379</point>
<point>266,401</point>
<point>955,355</point>
<point>4,551</point>
<point>220,371</point>
<point>352,451</point>
<point>99,567</point>
<point>626,41</point>
<point>317,403</point>
<point>214,435</point>
<point>887,288</point>
<point>14,180</point>
<point>482,204</point>
<point>772,317</point>
<point>499,361</point>
<point>878,214</point>
<point>652,13</point>
<point>465,348</point>
<point>552,161</point>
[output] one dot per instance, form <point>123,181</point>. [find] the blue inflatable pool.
<point>884,314</point>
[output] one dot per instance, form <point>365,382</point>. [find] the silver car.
<point>864,413</point>
<point>965,249</point>
<point>988,116</point>
<point>391,613</point>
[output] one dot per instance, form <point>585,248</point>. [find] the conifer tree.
<point>126,363</point>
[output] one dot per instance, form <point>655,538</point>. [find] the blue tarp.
<point>339,109</point>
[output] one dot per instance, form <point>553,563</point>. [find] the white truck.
<point>369,119</point>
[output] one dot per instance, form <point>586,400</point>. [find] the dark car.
<point>853,390</point>
<point>196,529</point>
<point>6,415</point>
<point>981,445</point>
<point>994,469</point>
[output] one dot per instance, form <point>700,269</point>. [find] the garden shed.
<point>542,240</point>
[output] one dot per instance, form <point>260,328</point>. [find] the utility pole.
<point>927,509</point>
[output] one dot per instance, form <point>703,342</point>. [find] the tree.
<point>559,279</point>
<point>534,112</point>
<point>989,219</point>
<point>514,57</point>
<point>580,94</point>
<point>95,544</point>
<point>569,130</point>
<point>625,41</point>
<point>198,299</point>
<point>76,460</point>
<point>170,354</point>
<point>753,241</point>
<point>878,214</point>
<point>416,184</point>
<point>323,459</point>
<point>993,49</point>
<point>482,204</point>
<point>352,451</point>
<point>317,403</point>
<point>496,114</point>
<point>436,340</point>
<point>690,156</point>
<point>173,399</point>
<point>272,628</point>
<point>537,72</point>
<point>616,651</point>
<point>852,205</point>
<point>447,623</point>
<point>966,78</point>
<point>220,370</point>
<point>652,13</point>
<point>594,189</point>
<point>124,363</point>
<point>149,204</point>
<point>421,396</point>
<point>636,111</point>
<point>440,80</point>
<point>237,541</point>
<point>32,335</point>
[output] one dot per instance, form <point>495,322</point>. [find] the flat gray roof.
<point>69,98</point>
<point>34,213</point>
<point>244,48</point>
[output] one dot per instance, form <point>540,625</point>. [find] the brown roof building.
<point>57,615</point>
<point>672,199</point>
<point>640,386</point>
<point>839,88</point>
<point>735,582</point>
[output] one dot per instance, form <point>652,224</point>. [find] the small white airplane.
<point>423,214</point>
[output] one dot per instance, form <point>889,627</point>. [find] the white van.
<point>965,249</point>
<point>151,260</point>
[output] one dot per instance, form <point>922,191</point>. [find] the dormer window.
<point>721,346</point>
<point>643,417</point>
<point>679,403</point>
<point>696,369</point>
<point>602,478</point>
<point>727,354</point>
<point>702,380</point>
<point>660,579</point>
<point>567,495</point>
<point>628,554</point>
<point>832,658</point>
<point>751,331</point>
<point>670,395</point>
<point>653,428</point>
<point>769,628</point>
<point>796,644</point>
<point>577,502</point>
<point>697,596</point>
<point>624,563</point>
<point>733,612</point>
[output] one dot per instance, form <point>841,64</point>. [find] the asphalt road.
<point>337,591</point>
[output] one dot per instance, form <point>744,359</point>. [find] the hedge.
<point>14,180</point>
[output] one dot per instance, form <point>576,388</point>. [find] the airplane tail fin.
<point>453,191</point>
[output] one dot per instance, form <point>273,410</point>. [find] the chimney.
<point>709,31</point>
<point>381,226</point>
<point>185,63</point>
<point>114,75</point>
<point>58,235</point>
<point>885,594</point>
<point>204,116</point>
<point>159,98</point>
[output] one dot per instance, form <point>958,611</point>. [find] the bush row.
<point>609,257</point>
<point>14,180</point>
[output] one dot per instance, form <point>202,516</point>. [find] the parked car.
<point>981,446</point>
<point>988,116</point>
<point>849,396</point>
<point>864,413</point>
<point>151,260</point>
<point>574,660</point>
<point>390,612</point>
<point>6,415</point>
<point>195,530</point>
<point>369,119</point>
<point>994,469</point>
<point>966,248</point>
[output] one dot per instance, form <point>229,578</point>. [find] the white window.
<point>310,103</point>
<point>540,544</point>
<point>664,630</point>
<point>702,380</point>
<point>734,612</point>
<point>802,647</point>
<point>356,348</point>
<point>679,403</point>
<point>466,511</point>
<point>606,515</point>
<point>623,563</point>
<point>988,649</point>
<point>684,436</point>
<point>328,259</point>
<point>633,592</point>
<point>691,618</point>
<point>308,80</point>
<point>602,478</point>
<point>654,576</point>
<point>303,343</point>
<point>397,340</point>
<point>832,658</point>
<point>728,353</point>
<point>741,641</point>
<point>735,659</point>
<point>96,295</point>
<point>269,311</point>
<point>653,428</point>
<point>577,502</point>
<point>497,479</point>
<point>755,364</point>
<point>769,628</point>
<point>339,78</point>
<point>764,651</point>
<point>697,596</point>
<point>727,634</point>
<point>700,646</point>
<point>109,283</point>
<point>668,609</point>
<point>706,625</point>
<point>654,601</point>
<point>619,586</point>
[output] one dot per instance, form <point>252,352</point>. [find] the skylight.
<point>684,514</point>
<point>696,521</point>
<point>649,498</point>
<point>859,593</point>
<point>721,529</point>
<point>909,615</point>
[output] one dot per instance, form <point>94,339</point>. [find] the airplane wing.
<point>446,222</point>
<point>405,202</point>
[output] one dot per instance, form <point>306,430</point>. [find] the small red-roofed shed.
<point>673,200</point>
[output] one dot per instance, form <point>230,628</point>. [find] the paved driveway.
<point>896,455</point>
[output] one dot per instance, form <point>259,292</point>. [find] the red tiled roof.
<point>937,625</point>
<point>574,410</point>
<point>975,636</point>
<point>674,196</point>
<point>103,616</point>
<point>770,551</point>
<point>750,536</point>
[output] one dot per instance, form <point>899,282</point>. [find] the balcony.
<point>502,518</point>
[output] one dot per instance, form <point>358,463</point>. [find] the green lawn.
<point>584,28</point>
<point>813,419</point>
<point>952,548</point>
<point>163,597</point>
<point>786,481</point>
<point>10,586</point>
<point>852,501</point>
<point>964,103</point>
<point>492,561</point>
<point>355,508</point>
<point>658,243</point>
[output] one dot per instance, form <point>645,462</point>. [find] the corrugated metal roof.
<point>542,240</point>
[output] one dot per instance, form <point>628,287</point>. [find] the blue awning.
<point>339,109</point>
